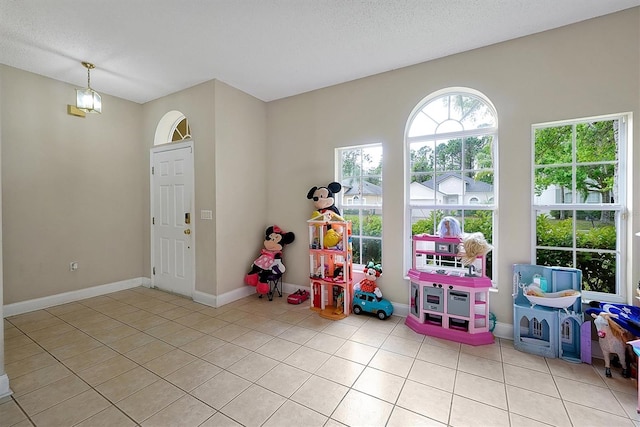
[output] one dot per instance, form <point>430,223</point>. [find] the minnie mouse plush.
<point>270,260</point>
<point>368,284</point>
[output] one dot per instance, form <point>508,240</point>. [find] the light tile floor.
<point>144,357</point>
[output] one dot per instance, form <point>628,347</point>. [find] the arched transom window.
<point>172,127</point>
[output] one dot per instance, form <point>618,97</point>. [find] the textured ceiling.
<point>145,49</point>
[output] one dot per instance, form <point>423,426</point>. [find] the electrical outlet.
<point>73,266</point>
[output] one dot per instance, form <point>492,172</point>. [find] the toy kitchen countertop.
<point>452,277</point>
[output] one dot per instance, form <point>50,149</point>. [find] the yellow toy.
<point>332,238</point>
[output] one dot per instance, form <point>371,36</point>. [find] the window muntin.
<point>181,131</point>
<point>450,113</point>
<point>451,140</point>
<point>360,201</point>
<point>579,199</point>
<point>173,127</point>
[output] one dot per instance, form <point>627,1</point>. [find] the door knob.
<point>187,231</point>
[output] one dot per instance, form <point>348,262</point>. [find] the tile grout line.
<point>378,348</point>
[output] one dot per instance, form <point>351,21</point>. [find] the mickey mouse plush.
<point>324,200</point>
<point>270,260</point>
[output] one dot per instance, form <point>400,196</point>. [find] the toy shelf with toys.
<point>330,267</point>
<point>449,295</point>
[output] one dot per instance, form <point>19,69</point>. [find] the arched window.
<point>451,138</point>
<point>181,131</point>
<point>173,127</point>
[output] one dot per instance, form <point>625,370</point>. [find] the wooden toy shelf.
<point>448,300</point>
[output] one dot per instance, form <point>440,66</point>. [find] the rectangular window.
<point>585,158</point>
<point>359,172</point>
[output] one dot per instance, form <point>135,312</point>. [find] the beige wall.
<point>2,367</point>
<point>582,70</point>
<point>78,189</point>
<point>70,182</point>
<point>229,132</point>
<point>198,105</point>
<point>242,175</point>
<point>72,189</point>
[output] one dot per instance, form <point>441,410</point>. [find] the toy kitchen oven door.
<point>433,300</point>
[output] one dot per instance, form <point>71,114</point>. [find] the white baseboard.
<point>236,294</point>
<point>201,297</point>
<point>204,298</point>
<point>4,386</point>
<point>66,297</point>
<point>401,310</point>
<point>503,330</point>
<point>289,288</point>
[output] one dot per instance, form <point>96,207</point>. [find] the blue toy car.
<point>368,302</point>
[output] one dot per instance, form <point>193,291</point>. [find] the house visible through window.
<point>579,199</point>
<point>360,173</point>
<point>450,141</point>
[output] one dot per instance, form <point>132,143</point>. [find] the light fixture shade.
<point>88,100</point>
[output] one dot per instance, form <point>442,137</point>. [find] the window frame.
<point>490,205</point>
<point>362,204</point>
<point>620,207</point>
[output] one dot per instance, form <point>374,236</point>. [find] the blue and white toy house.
<point>547,322</point>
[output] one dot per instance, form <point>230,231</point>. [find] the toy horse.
<point>612,339</point>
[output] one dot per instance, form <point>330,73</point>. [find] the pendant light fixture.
<point>88,100</point>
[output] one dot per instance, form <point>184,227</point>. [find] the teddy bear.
<point>325,202</point>
<point>270,260</point>
<point>368,284</point>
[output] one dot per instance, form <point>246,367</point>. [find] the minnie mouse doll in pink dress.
<point>270,260</point>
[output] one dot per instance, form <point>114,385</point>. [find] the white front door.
<point>172,224</point>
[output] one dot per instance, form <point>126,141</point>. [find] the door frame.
<point>158,149</point>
